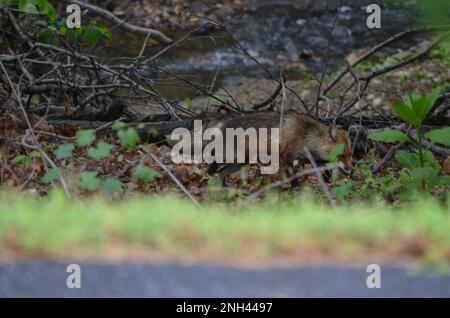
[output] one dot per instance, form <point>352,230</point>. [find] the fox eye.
<point>332,132</point>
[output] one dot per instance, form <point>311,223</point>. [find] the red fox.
<point>298,131</point>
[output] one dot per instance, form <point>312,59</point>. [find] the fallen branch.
<point>182,187</point>
<point>36,146</point>
<point>155,34</point>
<point>300,174</point>
<point>319,176</point>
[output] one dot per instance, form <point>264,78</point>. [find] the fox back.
<point>297,132</point>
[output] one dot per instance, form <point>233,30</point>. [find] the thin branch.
<point>322,182</point>
<point>281,183</point>
<point>174,178</point>
<point>155,34</point>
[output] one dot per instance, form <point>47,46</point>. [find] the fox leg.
<point>224,171</point>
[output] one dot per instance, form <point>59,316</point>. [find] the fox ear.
<point>332,132</point>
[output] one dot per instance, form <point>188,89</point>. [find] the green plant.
<point>50,176</point>
<point>85,138</point>
<point>129,138</point>
<point>88,146</point>
<point>102,151</point>
<point>64,151</point>
<point>364,185</point>
<point>89,180</point>
<point>146,175</point>
<point>50,30</point>
<point>26,159</point>
<point>422,168</point>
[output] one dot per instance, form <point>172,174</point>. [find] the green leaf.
<point>421,107</point>
<point>433,96</point>
<point>337,151</point>
<point>103,150</point>
<point>440,136</point>
<point>442,180</point>
<point>46,8</point>
<point>407,159</point>
<point>146,175</point>
<point>63,30</point>
<point>72,35</point>
<point>421,175</point>
<point>18,159</point>
<point>129,138</point>
<point>411,99</point>
<point>27,6</point>
<point>64,151</point>
<point>342,189</point>
<point>48,35</point>
<point>85,138</point>
<point>188,102</point>
<point>51,176</point>
<point>406,114</point>
<point>103,30</point>
<point>91,36</point>
<point>118,125</point>
<point>431,161</point>
<point>388,135</point>
<point>111,186</point>
<point>89,181</point>
<point>34,154</point>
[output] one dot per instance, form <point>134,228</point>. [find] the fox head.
<point>334,138</point>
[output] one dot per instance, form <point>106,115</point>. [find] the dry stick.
<point>270,100</point>
<point>283,103</point>
<point>406,61</point>
<point>381,46</point>
<point>144,46</point>
<point>164,50</point>
<point>286,181</point>
<point>46,157</point>
<point>157,35</point>
<point>325,67</point>
<point>106,69</point>
<point>358,96</point>
<point>255,60</point>
<point>387,157</point>
<point>174,178</point>
<point>31,131</point>
<point>211,88</point>
<point>21,34</point>
<point>319,177</point>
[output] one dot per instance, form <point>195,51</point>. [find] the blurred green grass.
<point>56,227</point>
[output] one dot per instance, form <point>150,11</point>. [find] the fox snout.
<point>348,164</point>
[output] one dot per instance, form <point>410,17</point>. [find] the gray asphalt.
<point>176,280</point>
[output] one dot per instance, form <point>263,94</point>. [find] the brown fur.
<point>298,131</point>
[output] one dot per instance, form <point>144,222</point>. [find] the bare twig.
<point>322,182</point>
<point>36,145</point>
<point>157,35</point>
<point>281,183</point>
<point>174,178</point>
